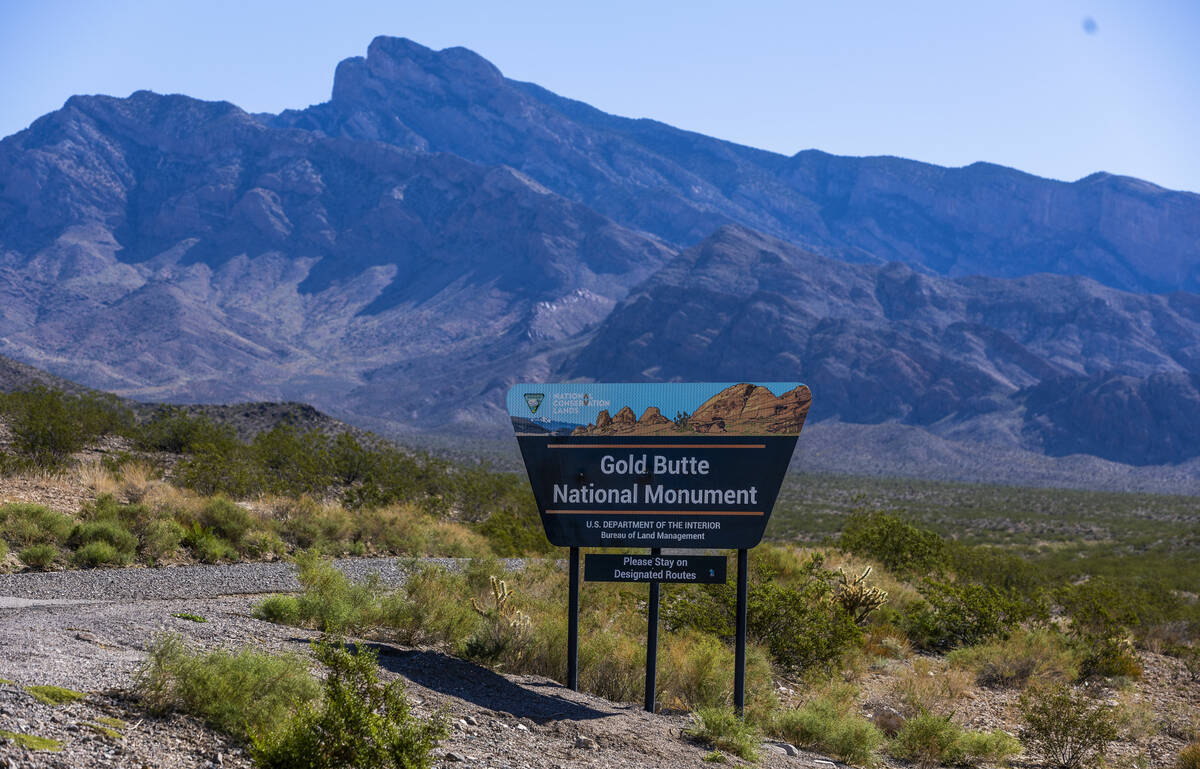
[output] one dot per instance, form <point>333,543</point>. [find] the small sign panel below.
<point>696,569</point>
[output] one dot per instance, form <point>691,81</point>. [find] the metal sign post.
<point>610,468</point>
<point>652,640</point>
<point>739,670</point>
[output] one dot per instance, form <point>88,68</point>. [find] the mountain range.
<point>402,253</point>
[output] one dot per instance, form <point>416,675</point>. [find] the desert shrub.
<point>829,723</point>
<point>38,556</point>
<point>246,693</point>
<point>1067,728</point>
<point>106,531</point>
<point>995,566</point>
<point>1107,658</point>
<point>260,542</point>
<point>215,468</point>
<point>291,462</point>
<point>927,688</point>
<point>97,554</point>
<point>359,723</point>
<point>1189,757</point>
<point>963,614</point>
<point>429,609</point>
<point>796,616</point>
<point>3,549</point>
<point>1108,606</point>
<point>310,525</point>
<point>162,538</point>
<point>227,519</point>
<point>613,666</point>
<point>515,528</point>
<point>1027,656</point>
<point>22,525</point>
<point>930,740</point>
<point>206,546</point>
<point>331,602</point>
<point>48,425</point>
<point>170,429</point>
<point>901,547</point>
<point>695,671</point>
<point>721,729</point>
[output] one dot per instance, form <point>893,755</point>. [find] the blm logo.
<point>534,401</point>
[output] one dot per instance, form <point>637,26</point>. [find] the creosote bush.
<point>1066,727</point>
<point>358,723</point>
<point>901,547</point>
<point>38,556</point>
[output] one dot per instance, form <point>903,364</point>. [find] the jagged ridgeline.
<point>435,232</point>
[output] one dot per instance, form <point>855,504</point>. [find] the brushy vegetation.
<point>929,740</point>
<point>358,723</point>
<point>246,694</point>
<point>829,724</point>
<point>1027,656</point>
<point>1189,757</point>
<point>1066,727</point>
<point>288,719</point>
<point>721,729</point>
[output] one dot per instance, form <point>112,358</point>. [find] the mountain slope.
<point>876,344</point>
<point>166,247</point>
<point>981,219</point>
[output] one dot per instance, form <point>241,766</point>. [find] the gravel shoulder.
<point>498,721</point>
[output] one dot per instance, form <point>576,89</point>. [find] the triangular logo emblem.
<point>533,401</point>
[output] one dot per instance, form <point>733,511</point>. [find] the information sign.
<point>695,569</point>
<point>657,465</point>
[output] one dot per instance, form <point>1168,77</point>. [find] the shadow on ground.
<point>456,677</point>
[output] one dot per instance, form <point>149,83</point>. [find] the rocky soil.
<point>95,640</point>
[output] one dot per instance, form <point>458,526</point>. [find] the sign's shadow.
<point>485,688</point>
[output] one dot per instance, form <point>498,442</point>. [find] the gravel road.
<point>176,582</point>
<point>89,631</point>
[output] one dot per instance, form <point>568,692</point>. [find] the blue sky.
<point>1060,89</point>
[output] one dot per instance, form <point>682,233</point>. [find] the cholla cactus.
<point>857,597</point>
<point>515,618</point>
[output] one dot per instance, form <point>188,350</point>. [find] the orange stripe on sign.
<point>653,512</point>
<point>657,445</point>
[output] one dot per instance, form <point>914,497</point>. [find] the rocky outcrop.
<point>982,219</point>
<point>652,417</point>
<point>746,409</point>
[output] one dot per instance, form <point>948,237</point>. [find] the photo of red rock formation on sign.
<point>741,409</point>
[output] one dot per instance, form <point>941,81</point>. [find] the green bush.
<point>1067,728</point>
<point>1107,606</point>
<point>171,430</point>
<point>358,724</point>
<point>1189,757</point>
<point>109,532</point>
<point>430,609</point>
<point>721,729</point>
<point>98,553</point>
<point>207,547</point>
<point>38,556</point>
<point>929,740</point>
<point>1027,656</point>
<point>829,724</point>
<point>227,519</point>
<point>48,425</point>
<point>216,468</point>
<point>962,614</point>
<point>247,694</point>
<point>162,538</point>
<point>1107,658</point>
<point>292,463</point>
<point>901,547</point>
<point>22,525</point>
<point>331,602</point>
<point>794,615</point>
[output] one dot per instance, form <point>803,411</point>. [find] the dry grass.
<point>928,686</point>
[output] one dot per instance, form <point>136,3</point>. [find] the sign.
<point>696,569</point>
<point>657,465</point>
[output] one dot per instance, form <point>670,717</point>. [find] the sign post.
<point>610,468</point>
